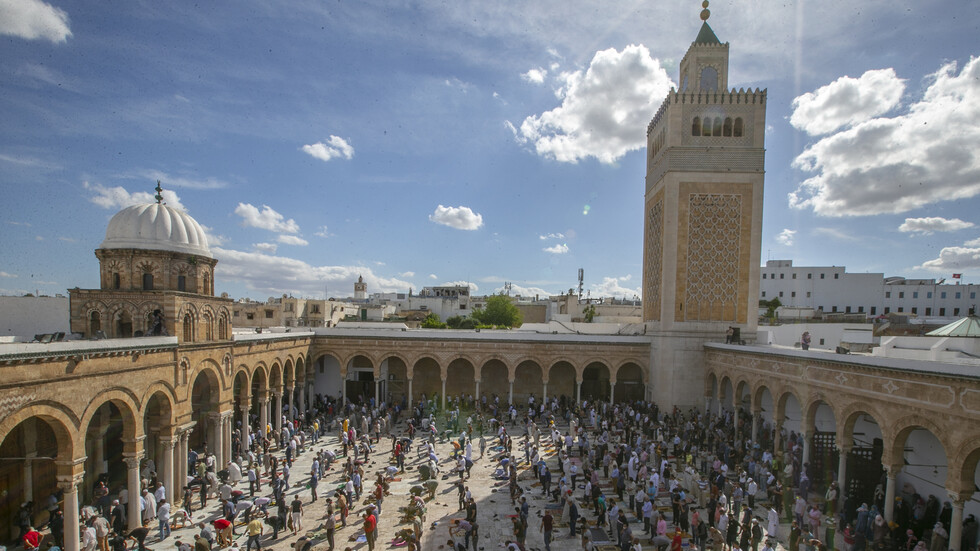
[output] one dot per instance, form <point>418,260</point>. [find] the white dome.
<point>158,227</point>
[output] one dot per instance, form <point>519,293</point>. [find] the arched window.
<point>94,323</point>
<point>223,329</point>
<point>716,128</point>
<point>181,283</point>
<point>709,79</point>
<point>115,280</point>
<point>728,127</point>
<point>696,127</point>
<point>124,325</point>
<point>147,282</point>
<point>738,127</point>
<point>207,284</point>
<point>187,328</point>
<point>208,327</point>
<point>706,127</point>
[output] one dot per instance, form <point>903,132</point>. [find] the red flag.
<point>957,276</point>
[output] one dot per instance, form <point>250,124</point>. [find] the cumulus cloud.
<point>954,259</point>
<point>292,240</point>
<point>407,274</point>
<point>535,75</point>
<point>614,287</point>
<point>274,275</point>
<point>605,109</point>
<point>433,276</point>
<point>266,219</point>
<point>933,224</point>
<point>835,234</point>
<point>189,182</point>
<point>269,248</point>
<point>323,232</point>
<point>118,198</point>
<point>558,248</point>
<point>972,243</point>
<point>33,19</point>
<point>847,101</point>
<point>473,287</point>
<point>896,164</point>
<point>552,236</point>
<point>214,239</point>
<point>461,218</point>
<point>333,148</point>
<point>786,237</point>
<point>522,291</point>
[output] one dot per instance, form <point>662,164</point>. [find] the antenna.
<point>507,286</point>
<point>581,277</point>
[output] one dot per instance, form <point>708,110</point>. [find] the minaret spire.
<point>705,13</point>
<point>159,195</point>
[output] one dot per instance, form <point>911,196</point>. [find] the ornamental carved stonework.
<point>653,275</point>
<point>714,227</point>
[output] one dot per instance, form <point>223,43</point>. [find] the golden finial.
<point>705,13</point>
<point>159,195</point>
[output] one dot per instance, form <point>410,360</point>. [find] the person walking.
<point>255,530</point>
<point>547,525</point>
<point>163,516</point>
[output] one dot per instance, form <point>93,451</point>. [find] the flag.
<point>957,276</point>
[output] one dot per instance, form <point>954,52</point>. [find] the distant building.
<point>813,291</point>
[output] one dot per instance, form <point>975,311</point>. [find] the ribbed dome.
<point>158,227</point>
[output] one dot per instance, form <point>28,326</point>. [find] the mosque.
<point>168,372</point>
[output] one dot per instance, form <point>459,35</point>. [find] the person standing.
<point>330,526</point>
<point>547,525</point>
<point>163,516</point>
<point>370,528</point>
<point>296,511</point>
<point>255,530</point>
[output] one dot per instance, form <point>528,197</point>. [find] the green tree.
<point>589,313</point>
<point>454,321</point>
<point>499,311</point>
<point>770,306</point>
<point>432,322</point>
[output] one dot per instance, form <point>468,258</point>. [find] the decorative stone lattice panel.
<point>653,275</point>
<point>714,226</point>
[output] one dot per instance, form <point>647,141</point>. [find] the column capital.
<point>959,498</point>
<point>132,461</point>
<point>892,470</point>
<point>70,484</point>
<point>168,442</point>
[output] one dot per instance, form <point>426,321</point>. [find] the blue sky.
<point>420,143</point>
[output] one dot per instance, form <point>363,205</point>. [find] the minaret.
<point>360,289</point>
<point>702,217</point>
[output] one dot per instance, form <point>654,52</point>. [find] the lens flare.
<point>586,209</point>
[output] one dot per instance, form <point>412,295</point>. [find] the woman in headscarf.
<point>939,538</point>
<point>880,529</point>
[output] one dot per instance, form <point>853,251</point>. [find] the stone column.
<point>956,522</point>
<point>755,425</point>
<point>377,390</point>
<point>612,391</point>
<point>842,452</point>
<point>245,425</point>
<point>277,410</point>
<point>217,446</point>
<point>478,392</point>
<point>510,393</point>
<point>263,414</point>
<point>133,513</point>
<point>180,456</point>
<point>167,467</point>
<point>578,392</point>
<point>443,396</point>
<point>890,493</point>
<point>806,447</point>
<point>736,423</point>
<point>411,400</point>
<point>99,449</point>
<point>302,400</point>
<point>70,488</point>
<point>707,405</point>
<point>544,393</point>
<point>290,402</point>
<point>228,417</point>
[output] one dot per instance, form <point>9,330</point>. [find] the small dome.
<point>157,227</point>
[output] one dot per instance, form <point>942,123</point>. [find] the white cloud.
<point>552,236</point>
<point>786,237</point>
<point>933,224</point>
<point>972,243</point>
<point>535,75</point>
<point>333,148</point>
<point>292,240</point>
<point>33,19</point>
<point>269,248</point>
<point>473,287</point>
<point>433,276</point>
<point>847,101</point>
<point>407,274</point>
<point>72,239</point>
<point>15,223</point>
<point>323,232</point>
<point>118,198</point>
<point>613,287</point>
<point>954,259</point>
<point>461,218</point>
<point>522,291</point>
<point>5,274</point>
<point>169,180</point>
<point>835,233</point>
<point>266,219</point>
<point>558,248</point>
<point>214,239</point>
<point>605,109</point>
<point>274,275</point>
<point>896,164</point>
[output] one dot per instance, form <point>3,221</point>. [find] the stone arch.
<point>426,375</point>
<point>211,366</point>
<point>848,417</point>
<point>961,476</point>
<point>528,381</point>
<point>129,407</point>
<point>726,392</point>
<point>495,377</point>
<point>562,377</point>
<point>122,320</point>
<point>288,373</point>
<point>145,315</point>
<point>204,400</point>
<point>412,364</point>
<point>710,388</point>
<point>275,377</point>
<point>62,421</point>
<point>567,361</point>
<point>630,382</point>
<point>258,374</point>
<point>161,387</point>
<point>741,386</point>
<point>460,377</point>
<point>594,385</point>
<point>898,431</point>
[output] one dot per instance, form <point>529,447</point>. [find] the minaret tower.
<point>360,289</point>
<point>702,218</point>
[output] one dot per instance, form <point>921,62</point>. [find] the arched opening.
<point>528,381</point>
<point>326,377</point>
<point>94,323</point>
<point>110,425</point>
<point>495,381</point>
<point>360,380</point>
<point>397,381</point>
<point>28,472</point>
<point>595,382</point>
<point>259,391</point>
<point>116,283</point>
<point>426,379</point>
<point>223,328</point>
<point>208,326</point>
<point>764,399</point>
<point>562,381</point>
<point>241,392</point>
<point>737,132</point>
<point>147,282</point>
<point>923,477</point>
<point>206,284</point>
<point>706,127</point>
<point>124,324</point>
<point>204,408</point>
<point>823,445</point>
<point>864,471</point>
<point>629,383</point>
<point>727,132</point>
<point>716,127</point>
<point>725,397</point>
<point>460,379</point>
<point>181,282</point>
<point>714,401</point>
<point>696,127</point>
<point>157,424</point>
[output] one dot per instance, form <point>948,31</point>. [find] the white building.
<point>828,289</point>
